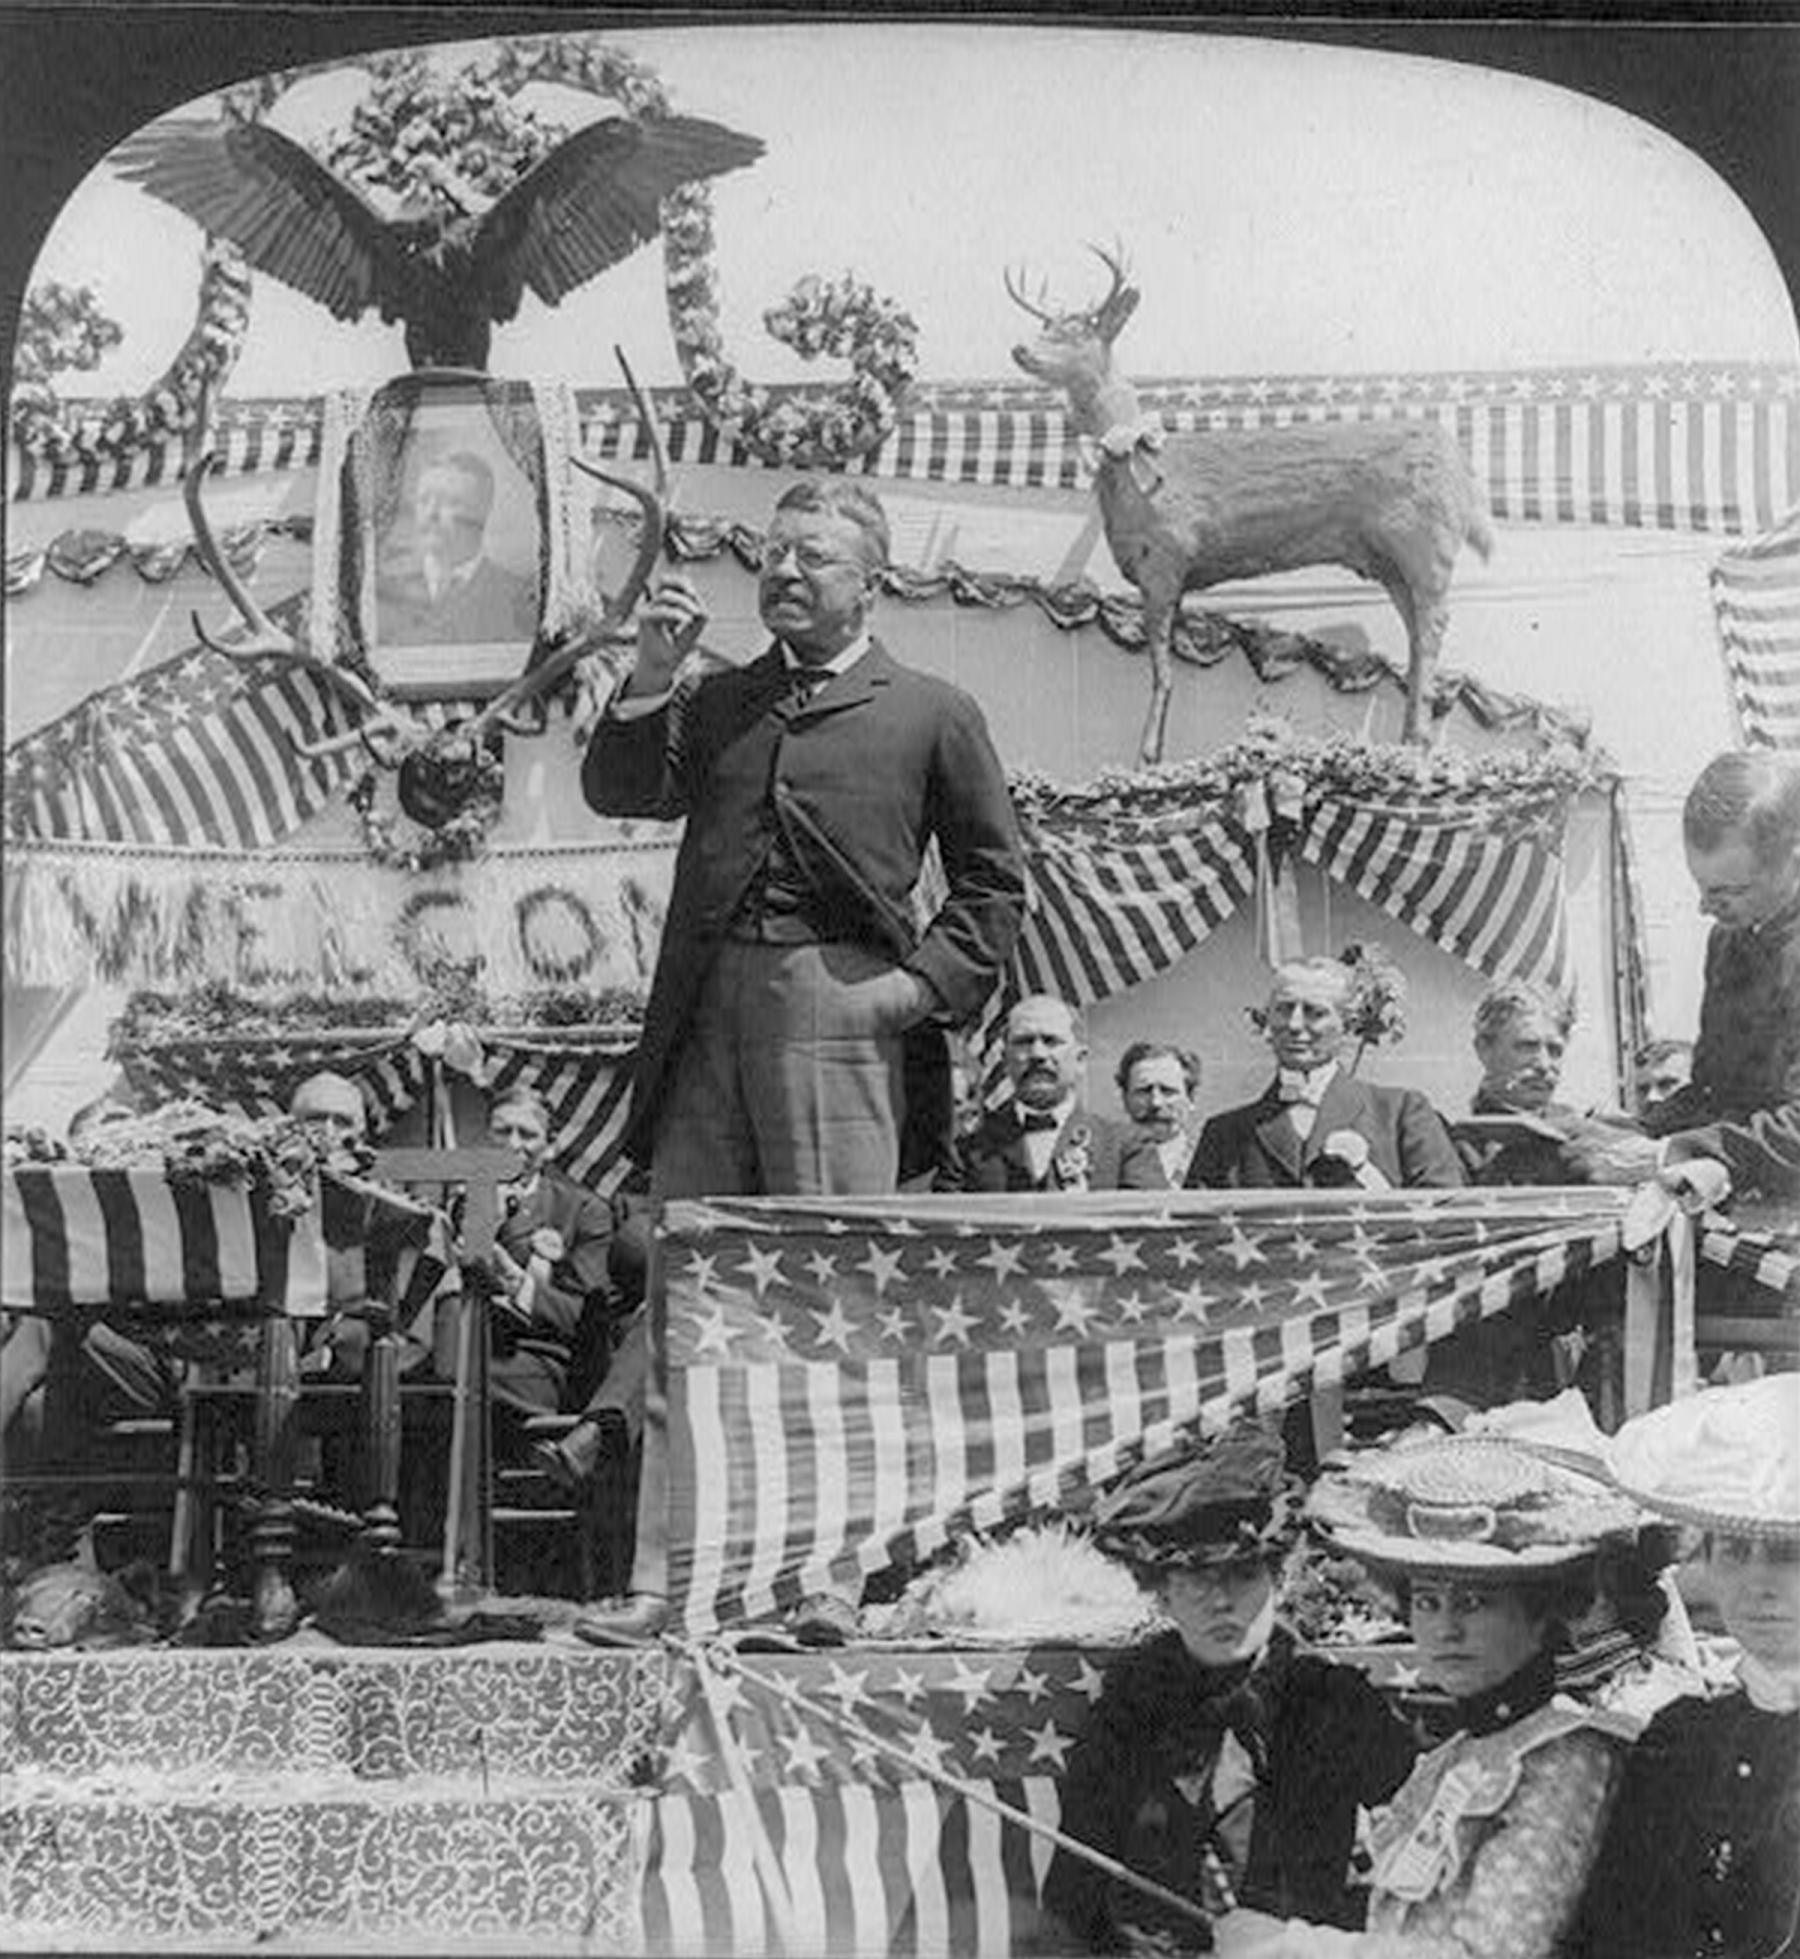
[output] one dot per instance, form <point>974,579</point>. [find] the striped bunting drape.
<point>585,1087</point>
<point>1113,905</point>
<point>1482,882</point>
<point>71,1237</point>
<point>852,1382</point>
<point>1702,446</point>
<point>1756,598</point>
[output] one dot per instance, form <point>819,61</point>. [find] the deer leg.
<point>1426,637</point>
<point>1159,630</point>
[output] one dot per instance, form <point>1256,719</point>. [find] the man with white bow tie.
<point>1315,1125</point>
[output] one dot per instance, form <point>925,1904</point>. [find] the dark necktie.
<point>804,683</point>
<point>1039,1119</point>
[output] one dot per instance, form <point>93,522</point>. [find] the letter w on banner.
<point>853,1381</point>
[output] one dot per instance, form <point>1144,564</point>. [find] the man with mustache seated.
<point>1043,1139</point>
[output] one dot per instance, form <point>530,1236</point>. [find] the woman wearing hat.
<point>1702,1855</point>
<point>1484,1852</point>
<point>1218,1761</point>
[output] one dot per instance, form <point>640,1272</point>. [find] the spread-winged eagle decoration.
<point>449,275</point>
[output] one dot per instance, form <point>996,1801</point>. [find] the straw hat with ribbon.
<point>1467,1505</point>
<point>1727,1459</point>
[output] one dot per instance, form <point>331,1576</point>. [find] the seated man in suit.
<point>1157,1084</point>
<point>1043,1139</point>
<point>1314,1124</point>
<point>1520,1037</point>
<point>549,1269</point>
<point>1520,1133</point>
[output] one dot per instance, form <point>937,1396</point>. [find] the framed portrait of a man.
<point>444,534</point>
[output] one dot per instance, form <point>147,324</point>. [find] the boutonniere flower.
<point>1349,1148</point>
<point>1073,1161</point>
<point>547,1244</point>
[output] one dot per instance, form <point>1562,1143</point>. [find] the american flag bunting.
<point>1756,598</point>
<point>852,1382</point>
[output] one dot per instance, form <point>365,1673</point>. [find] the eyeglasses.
<point>808,557</point>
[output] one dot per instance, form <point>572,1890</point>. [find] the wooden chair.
<point>283,1405</point>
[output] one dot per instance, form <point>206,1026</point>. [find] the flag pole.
<point>971,1792</point>
<point>762,1851</point>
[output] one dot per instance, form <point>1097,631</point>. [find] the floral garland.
<point>171,406</point>
<point>215,1010</point>
<point>1271,775</point>
<point>193,1143</point>
<point>848,319</point>
<point>460,838</point>
<point>423,136</point>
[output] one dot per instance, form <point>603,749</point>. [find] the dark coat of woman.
<point>1702,1851</point>
<point>1141,1782</point>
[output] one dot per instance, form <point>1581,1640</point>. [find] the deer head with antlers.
<point>439,769</point>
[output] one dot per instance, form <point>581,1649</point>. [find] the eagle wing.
<point>594,199</point>
<point>288,215</point>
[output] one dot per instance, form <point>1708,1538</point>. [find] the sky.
<point>1284,209</point>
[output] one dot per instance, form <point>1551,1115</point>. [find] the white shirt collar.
<point>1774,1693</point>
<point>1315,1080</point>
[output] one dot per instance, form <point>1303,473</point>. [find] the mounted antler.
<point>1114,302</point>
<point>376,724</point>
<point>502,711</point>
<point>1015,291</point>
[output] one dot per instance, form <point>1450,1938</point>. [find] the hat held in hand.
<point>1477,1504</point>
<point>1725,1458</point>
<point>1229,1501</point>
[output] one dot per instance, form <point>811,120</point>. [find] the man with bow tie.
<point>1042,1139</point>
<point>795,1039</point>
<point>1315,1125</point>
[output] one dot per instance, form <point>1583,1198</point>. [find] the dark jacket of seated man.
<point>553,1302</point>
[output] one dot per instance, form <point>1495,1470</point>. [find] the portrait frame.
<point>461,623</point>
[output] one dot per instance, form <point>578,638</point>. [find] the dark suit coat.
<point>858,781</point>
<point>1141,1164</point>
<point>1254,1147</point>
<point>1743,1105</point>
<point>494,604</point>
<point>992,1156</point>
<point>568,1314</point>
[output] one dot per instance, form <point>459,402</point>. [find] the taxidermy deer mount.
<point>1392,501</point>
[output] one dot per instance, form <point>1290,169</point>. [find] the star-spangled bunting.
<point>876,1855</point>
<point>1702,446</point>
<point>854,1381</point>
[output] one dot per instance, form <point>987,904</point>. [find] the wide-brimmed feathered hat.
<point>1727,1459</point>
<point>1214,1504</point>
<point>1467,1505</point>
